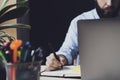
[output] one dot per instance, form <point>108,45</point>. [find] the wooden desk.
<point>56,78</point>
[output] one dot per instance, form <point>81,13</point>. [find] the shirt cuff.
<point>68,57</point>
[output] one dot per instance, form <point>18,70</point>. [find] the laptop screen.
<point>99,49</point>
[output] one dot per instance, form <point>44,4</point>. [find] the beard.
<point>108,12</point>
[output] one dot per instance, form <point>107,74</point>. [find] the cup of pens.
<point>21,62</point>
<point>23,71</point>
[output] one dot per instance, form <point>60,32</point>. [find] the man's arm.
<point>69,48</point>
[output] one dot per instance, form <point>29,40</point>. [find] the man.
<point>69,49</point>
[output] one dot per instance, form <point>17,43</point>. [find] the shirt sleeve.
<point>69,47</point>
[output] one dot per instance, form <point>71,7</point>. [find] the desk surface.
<point>58,72</point>
<point>53,78</point>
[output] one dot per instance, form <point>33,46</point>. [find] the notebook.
<point>99,49</point>
<point>65,72</point>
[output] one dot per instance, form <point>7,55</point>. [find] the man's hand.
<point>52,63</point>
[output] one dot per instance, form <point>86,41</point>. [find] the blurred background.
<point>50,20</point>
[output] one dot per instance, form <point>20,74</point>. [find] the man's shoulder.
<point>92,14</point>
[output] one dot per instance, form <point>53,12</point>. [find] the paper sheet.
<point>66,71</point>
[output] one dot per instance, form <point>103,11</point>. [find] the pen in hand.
<point>51,48</point>
<point>53,62</point>
<point>56,56</point>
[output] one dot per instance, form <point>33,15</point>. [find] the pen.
<point>38,54</point>
<point>2,56</point>
<point>25,54</point>
<point>51,48</point>
<point>27,50</point>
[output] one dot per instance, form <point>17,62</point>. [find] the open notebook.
<point>66,72</point>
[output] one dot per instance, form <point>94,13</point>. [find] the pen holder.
<point>23,71</point>
<point>2,70</point>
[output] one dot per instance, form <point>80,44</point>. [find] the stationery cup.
<point>23,71</point>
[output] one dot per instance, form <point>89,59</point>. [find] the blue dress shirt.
<point>69,47</point>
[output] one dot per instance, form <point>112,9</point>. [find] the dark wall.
<point>50,20</point>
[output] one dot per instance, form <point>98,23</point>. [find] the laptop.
<point>99,49</point>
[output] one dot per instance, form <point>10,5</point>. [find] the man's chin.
<point>108,11</point>
<point>108,15</point>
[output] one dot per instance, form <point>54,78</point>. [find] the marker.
<point>14,46</point>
